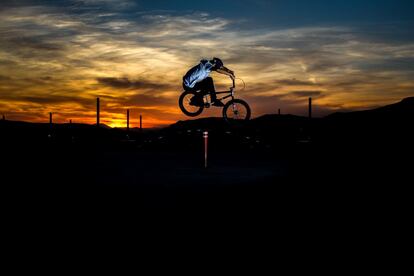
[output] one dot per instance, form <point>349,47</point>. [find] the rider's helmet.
<point>217,63</point>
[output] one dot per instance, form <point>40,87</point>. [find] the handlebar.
<point>233,78</point>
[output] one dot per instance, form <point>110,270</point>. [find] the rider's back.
<point>197,73</point>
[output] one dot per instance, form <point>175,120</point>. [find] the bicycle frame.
<point>230,92</point>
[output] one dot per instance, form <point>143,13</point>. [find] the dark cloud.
<point>353,82</point>
<point>150,100</point>
<point>51,99</point>
<point>126,83</point>
<point>138,99</point>
<point>36,43</point>
<point>396,64</point>
<point>325,63</point>
<point>4,78</point>
<point>306,93</point>
<point>294,82</point>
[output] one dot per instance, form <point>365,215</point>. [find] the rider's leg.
<point>208,84</point>
<point>198,101</point>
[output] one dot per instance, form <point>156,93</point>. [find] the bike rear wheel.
<point>191,103</point>
<point>236,110</point>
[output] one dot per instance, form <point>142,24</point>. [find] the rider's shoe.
<point>217,103</point>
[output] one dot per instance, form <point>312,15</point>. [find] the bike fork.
<point>235,111</point>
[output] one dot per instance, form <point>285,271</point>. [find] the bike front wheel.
<point>191,104</point>
<point>236,110</point>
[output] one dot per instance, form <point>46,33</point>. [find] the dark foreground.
<point>283,169</point>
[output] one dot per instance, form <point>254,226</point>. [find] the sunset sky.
<point>58,56</point>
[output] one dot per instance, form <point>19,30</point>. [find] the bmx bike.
<point>192,103</point>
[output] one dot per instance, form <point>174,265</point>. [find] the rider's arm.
<point>226,71</point>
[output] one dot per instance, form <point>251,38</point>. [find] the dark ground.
<point>287,170</point>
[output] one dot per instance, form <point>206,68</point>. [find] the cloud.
<point>306,94</point>
<point>294,82</point>
<point>49,99</point>
<point>4,78</point>
<point>113,4</point>
<point>67,54</point>
<point>125,83</point>
<point>35,43</point>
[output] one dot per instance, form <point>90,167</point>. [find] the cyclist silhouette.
<point>198,79</point>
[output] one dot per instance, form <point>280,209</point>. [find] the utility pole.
<point>310,107</point>
<point>50,125</point>
<point>128,119</point>
<point>97,112</point>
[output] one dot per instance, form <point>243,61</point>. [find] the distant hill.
<point>402,110</point>
<point>394,115</point>
<point>394,122</point>
<point>103,126</point>
<point>216,123</point>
